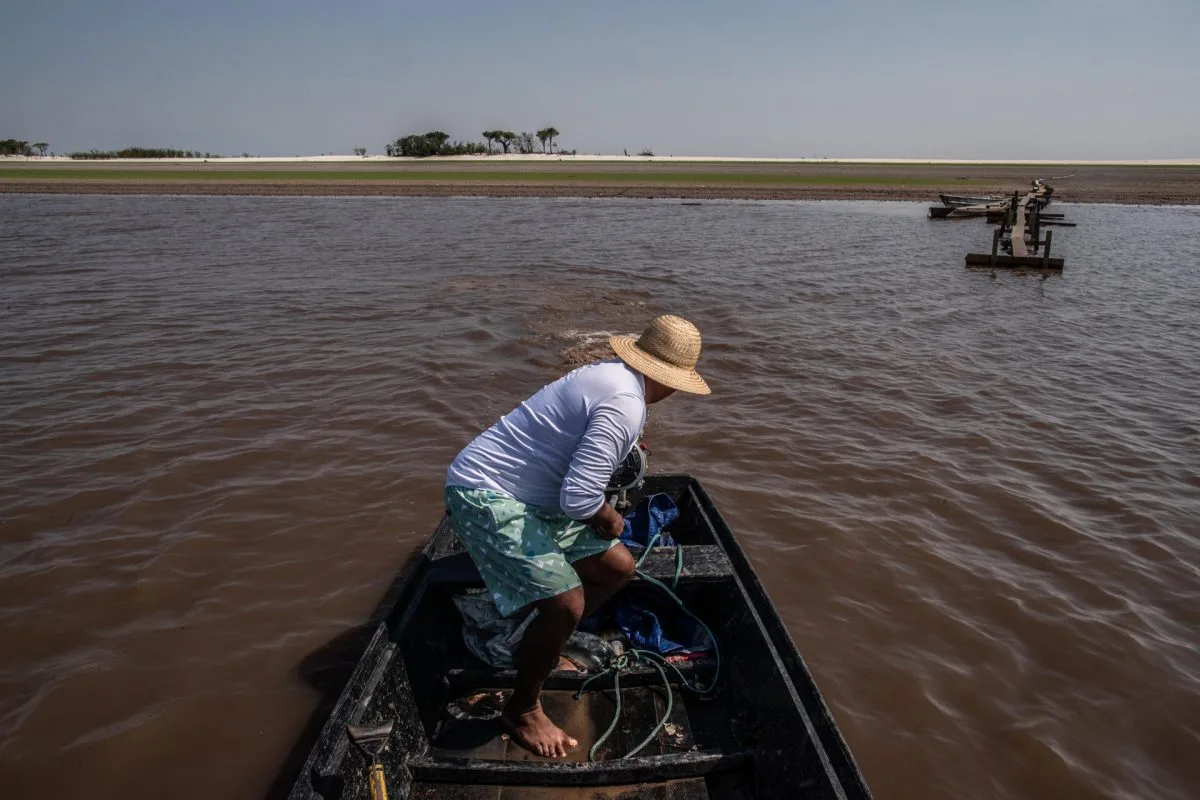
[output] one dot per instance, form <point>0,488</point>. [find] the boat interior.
<point>757,734</point>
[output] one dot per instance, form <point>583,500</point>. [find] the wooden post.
<point>996,243</point>
<point>1046,252</point>
<point>1037,228</point>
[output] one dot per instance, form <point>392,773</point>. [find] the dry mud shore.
<point>1150,185</point>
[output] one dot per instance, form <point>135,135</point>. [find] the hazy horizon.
<point>1053,80</point>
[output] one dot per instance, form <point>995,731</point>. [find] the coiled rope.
<point>627,660</point>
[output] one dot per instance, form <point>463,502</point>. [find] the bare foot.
<point>534,731</point>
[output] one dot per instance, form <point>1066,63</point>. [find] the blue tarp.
<point>652,621</point>
<point>647,617</point>
<point>651,516</point>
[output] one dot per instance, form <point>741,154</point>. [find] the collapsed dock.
<point>1018,242</point>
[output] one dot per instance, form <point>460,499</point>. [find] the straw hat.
<point>666,351</point>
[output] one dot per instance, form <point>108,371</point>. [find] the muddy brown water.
<point>224,424</point>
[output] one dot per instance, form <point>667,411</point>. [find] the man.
<point>526,499</point>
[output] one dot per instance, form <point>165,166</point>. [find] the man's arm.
<point>613,429</point>
<point>608,522</point>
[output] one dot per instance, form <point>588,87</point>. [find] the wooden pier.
<point>1023,220</point>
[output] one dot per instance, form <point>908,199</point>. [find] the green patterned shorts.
<point>524,553</point>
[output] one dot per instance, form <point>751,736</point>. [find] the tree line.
<point>20,147</point>
<point>421,145</point>
<point>434,143</point>
<point>139,152</point>
<point>437,143</point>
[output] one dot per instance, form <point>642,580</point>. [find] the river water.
<point>224,424</point>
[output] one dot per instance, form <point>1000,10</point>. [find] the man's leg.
<point>538,654</point>
<point>604,574</point>
<point>541,647</point>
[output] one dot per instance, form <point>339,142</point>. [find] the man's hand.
<point>607,522</point>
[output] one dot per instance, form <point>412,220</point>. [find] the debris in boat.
<point>568,664</point>
<point>494,639</point>
<point>478,706</point>
<point>615,640</point>
<point>675,736</point>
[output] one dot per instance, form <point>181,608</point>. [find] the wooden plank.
<point>1019,249</point>
<point>1012,262</point>
<point>998,217</point>
<point>546,772</point>
<point>443,791</point>
<point>686,789</point>
<point>462,681</point>
<point>700,563</point>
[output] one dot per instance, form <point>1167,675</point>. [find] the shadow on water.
<point>327,670</point>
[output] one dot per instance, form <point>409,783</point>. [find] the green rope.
<point>678,563</point>
<point>627,660</point>
<point>615,667</point>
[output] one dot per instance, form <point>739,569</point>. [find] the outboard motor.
<point>630,474</point>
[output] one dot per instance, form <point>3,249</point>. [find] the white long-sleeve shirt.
<point>558,449</point>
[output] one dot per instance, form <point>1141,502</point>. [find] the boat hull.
<point>765,732</point>
<point>960,201</point>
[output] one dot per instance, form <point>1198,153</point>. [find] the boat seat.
<point>701,564</point>
<point>463,680</point>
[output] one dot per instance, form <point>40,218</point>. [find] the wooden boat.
<point>959,200</point>
<point>978,211</point>
<point>963,212</point>
<point>765,731</point>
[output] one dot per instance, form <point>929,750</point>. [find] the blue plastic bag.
<point>651,516</point>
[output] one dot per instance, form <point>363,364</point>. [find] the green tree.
<point>525,143</point>
<point>41,147</point>
<point>547,135</point>
<point>490,136</point>
<point>434,143</point>
<point>15,147</point>
<point>505,138</point>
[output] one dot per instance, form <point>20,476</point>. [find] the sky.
<point>1056,79</point>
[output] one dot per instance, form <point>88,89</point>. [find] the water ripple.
<point>225,421</point>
